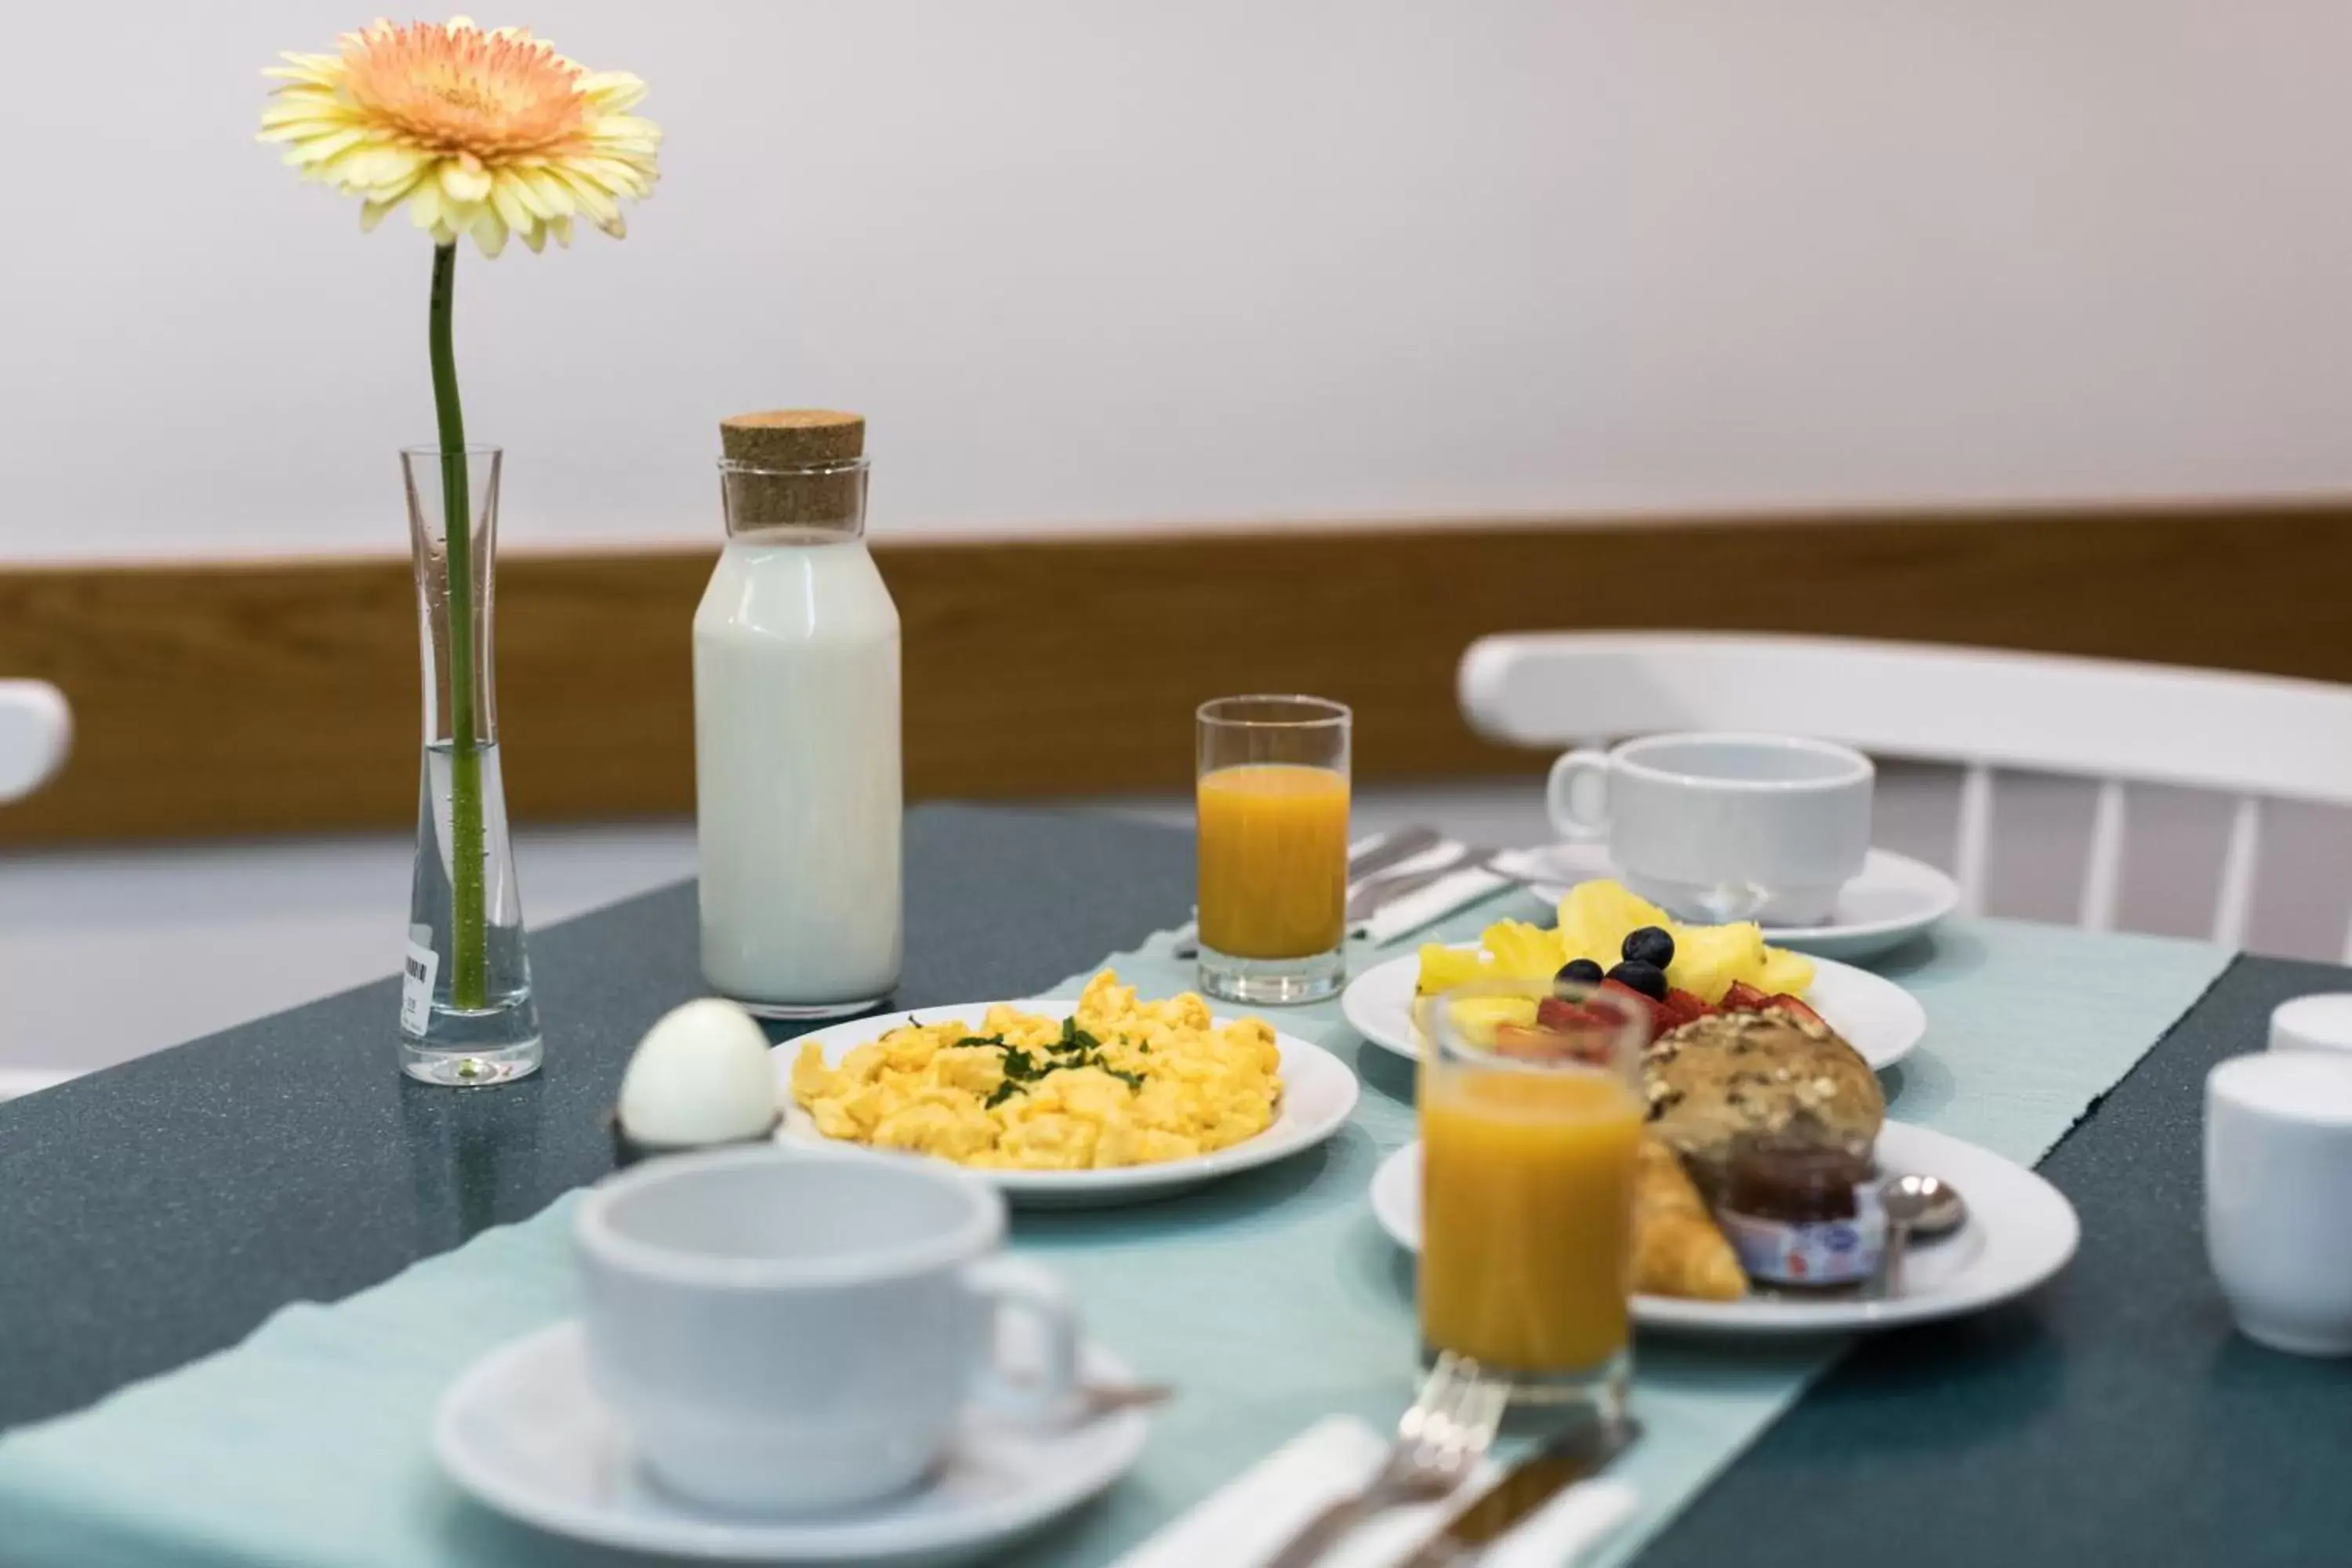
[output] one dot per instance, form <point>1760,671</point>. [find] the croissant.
<point>1677,1250</point>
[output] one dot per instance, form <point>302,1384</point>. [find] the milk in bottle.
<point>796,728</point>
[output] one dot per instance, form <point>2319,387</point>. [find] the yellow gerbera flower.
<point>480,134</point>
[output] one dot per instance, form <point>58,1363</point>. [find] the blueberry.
<point>1646,978</point>
<point>1579,972</point>
<point>1651,946</point>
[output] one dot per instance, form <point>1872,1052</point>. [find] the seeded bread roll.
<point>1712,1081</point>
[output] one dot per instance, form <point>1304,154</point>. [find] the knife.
<point>1369,898</point>
<point>1525,1488</point>
<point>1394,849</point>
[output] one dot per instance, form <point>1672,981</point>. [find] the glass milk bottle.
<point>796,728</point>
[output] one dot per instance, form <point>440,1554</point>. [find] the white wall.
<point>1090,263</point>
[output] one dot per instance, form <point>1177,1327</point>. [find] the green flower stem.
<point>469,965</point>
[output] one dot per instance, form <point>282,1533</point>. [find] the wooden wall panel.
<point>254,698</point>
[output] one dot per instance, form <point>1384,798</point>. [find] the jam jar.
<point>1803,1211</point>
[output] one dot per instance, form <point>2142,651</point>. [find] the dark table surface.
<point>160,1210</point>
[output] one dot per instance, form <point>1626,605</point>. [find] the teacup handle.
<point>1016,1284</point>
<point>1560,791</point>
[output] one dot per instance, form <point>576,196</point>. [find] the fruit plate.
<point>1896,900</point>
<point>2020,1231</point>
<point>1877,1018</point>
<point>1318,1092</point>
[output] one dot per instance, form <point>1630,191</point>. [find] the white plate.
<point>524,1432</point>
<point>1318,1092</point>
<point>1893,899</point>
<point>2020,1231</point>
<point>1878,1017</point>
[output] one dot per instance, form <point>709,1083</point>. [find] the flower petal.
<point>289,113</point>
<point>516,186</point>
<point>464,185</point>
<point>489,233</point>
<point>593,199</point>
<point>325,148</point>
<point>425,205</point>
<point>506,199</point>
<point>552,198</point>
<point>614,91</point>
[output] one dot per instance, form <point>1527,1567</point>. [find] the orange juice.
<point>1528,1217</point>
<point>1273,859</point>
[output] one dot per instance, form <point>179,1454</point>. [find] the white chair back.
<point>35,728</point>
<point>2249,736</point>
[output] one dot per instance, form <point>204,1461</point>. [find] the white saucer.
<point>1877,1018</point>
<point>1319,1090</point>
<point>1893,899</point>
<point>2020,1231</point>
<point>523,1431</point>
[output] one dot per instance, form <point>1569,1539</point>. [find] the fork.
<point>1438,1440</point>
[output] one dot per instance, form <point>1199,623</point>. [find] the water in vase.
<point>467,1015</point>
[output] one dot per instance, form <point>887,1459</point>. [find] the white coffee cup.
<point>2320,1021</point>
<point>1723,827</point>
<point>2278,1163</point>
<point>785,1330</point>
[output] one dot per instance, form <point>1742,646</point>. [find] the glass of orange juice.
<point>1531,1116</point>
<point>1272,809</point>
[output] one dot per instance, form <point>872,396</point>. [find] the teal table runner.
<point>1272,1299</point>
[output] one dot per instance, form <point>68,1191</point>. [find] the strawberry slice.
<point>1640,1006</point>
<point>1744,998</point>
<point>1784,1003</point>
<point>1559,1012</point>
<point>1689,1003</point>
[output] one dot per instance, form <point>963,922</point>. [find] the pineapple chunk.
<point>1785,973</point>
<point>1596,917</point>
<point>1707,959</point>
<point>1443,968</point>
<point>1478,1018</point>
<point>1522,952</point>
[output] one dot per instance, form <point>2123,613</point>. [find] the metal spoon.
<point>1935,1206</point>
<point>1093,1401</point>
<point>1915,1203</point>
<point>1096,1400</point>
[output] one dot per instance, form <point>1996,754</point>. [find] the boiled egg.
<point>701,1075</point>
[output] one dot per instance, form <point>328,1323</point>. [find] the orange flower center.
<point>454,91</point>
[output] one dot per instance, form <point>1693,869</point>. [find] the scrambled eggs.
<point>1121,1082</point>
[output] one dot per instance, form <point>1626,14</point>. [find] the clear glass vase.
<point>466,1016</point>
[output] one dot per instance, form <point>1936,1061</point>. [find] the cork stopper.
<point>766,478</point>
<point>793,437</point>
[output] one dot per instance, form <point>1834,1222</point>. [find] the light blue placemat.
<point>1272,1299</point>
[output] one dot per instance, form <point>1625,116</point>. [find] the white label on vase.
<point>417,988</point>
